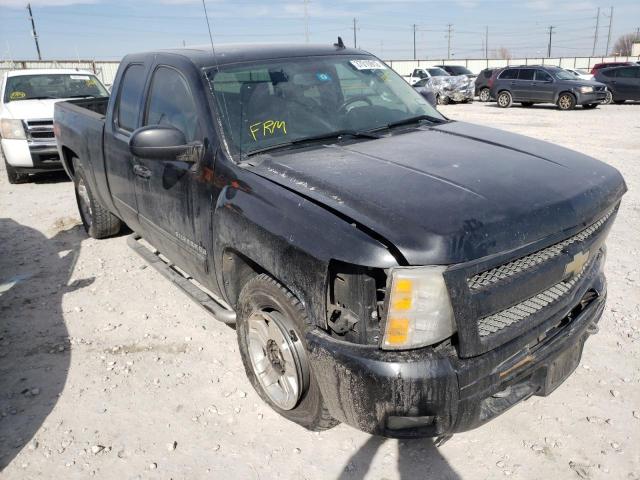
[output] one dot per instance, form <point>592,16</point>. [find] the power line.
<point>33,30</point>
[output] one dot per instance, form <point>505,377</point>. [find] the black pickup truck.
<point>383,266</point>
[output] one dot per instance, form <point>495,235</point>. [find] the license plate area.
<point>560,368</point>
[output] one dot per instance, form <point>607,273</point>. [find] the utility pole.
<point>306,21</point>
<point>595,34</point>
<point>606,53</point>
<point>414,41</point>
<point>449,40</point>
<point>486,42</point>
<point>355,38</point>
<point>33,30</point>
<point>551,27</point>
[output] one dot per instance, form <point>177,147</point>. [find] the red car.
<point>598,66</point>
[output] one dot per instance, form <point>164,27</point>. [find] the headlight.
<point>419,310</point>
<point>586,89</point>
<point>12,129</point>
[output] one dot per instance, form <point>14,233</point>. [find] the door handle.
<point>141,171</point>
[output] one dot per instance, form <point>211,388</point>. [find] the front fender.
<point>290,237</point>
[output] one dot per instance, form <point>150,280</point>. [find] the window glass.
<point>542,76</point>
<point>609,73</point>
<point>627,72</point>
<point>526,74</point>
<point>56,85</point>
<point>170,103</point>
<point>129,96</point>
<point>509,74</point>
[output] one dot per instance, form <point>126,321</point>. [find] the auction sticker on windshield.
<point>368,64</point>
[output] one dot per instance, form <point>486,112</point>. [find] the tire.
<point>484,95</point>
<point>504,100</point>
<point>442,100</point>
<point>269,316</point>
<point>98,222</point>
<point>590,106</point>
<point>526,104</point>
<point>608,98</point>
<point>13,176</point>
<point>566,101</point>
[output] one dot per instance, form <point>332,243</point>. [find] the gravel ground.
<point>107,369</point>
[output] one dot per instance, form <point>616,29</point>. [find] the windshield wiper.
<point>314,138</point>
<point>82,96</point>
<point>410,120</point>
<point>41,97</point>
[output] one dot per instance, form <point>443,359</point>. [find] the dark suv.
<point>544,84</point>
<point>483,84</point>
<point>623,83</point>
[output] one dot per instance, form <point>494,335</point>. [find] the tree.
<point>504,53</point>
<point>624,44</point>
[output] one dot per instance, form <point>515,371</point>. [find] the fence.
<point>106,71</point>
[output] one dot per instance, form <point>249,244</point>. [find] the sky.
<point>109,29</point>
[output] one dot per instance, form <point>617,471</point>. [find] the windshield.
<point>58,85</point>
<point>437,72</point>
<point>280,102</point>
<point>563,74</point>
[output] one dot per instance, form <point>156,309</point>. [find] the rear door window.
<point>129,97</point>
<point>628,72</point>
<point>526,74</point>
<point>509,74</point>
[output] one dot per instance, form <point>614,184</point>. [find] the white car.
<point>27,141</point>
<point>579,73</point>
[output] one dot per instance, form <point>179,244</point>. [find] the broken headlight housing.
<point>419,309</point>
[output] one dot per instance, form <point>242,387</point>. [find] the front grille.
<point>498,321</point>
<point>40,130</point>
<point>495,275</point>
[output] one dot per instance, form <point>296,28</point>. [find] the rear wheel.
<point>271,335</point>
<point>608,98</point>
<point>505,100</point>
<point>98,222</point>
<point>566,101</point>
<point>484,95</point>
<point>15,177</point>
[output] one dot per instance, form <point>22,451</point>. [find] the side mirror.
<point>162,142</point>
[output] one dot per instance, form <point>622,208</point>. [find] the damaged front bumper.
<point>429,392</point>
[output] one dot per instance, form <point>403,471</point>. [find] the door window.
<point>542,76</point>
<point>170,103</point>
<point>129,97</point>
<point>526,74</point>
<point>630,72</point>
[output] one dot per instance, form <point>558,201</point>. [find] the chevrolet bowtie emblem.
<point>575,266</point>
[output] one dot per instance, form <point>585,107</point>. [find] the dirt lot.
<point>106,369</point>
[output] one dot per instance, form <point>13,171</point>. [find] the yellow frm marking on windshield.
<point>267,128</point>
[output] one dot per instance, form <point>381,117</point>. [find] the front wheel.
<point>505,99</point>
<point>13,176</point>
<point>608,98</point>
<point>271,326</point>
<point>566,101</point>
<point>98,222</point>
<point>443,100</point>
<point>484,95</point>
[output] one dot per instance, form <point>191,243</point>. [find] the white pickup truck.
<point>27,141</point>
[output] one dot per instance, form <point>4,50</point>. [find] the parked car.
<point>383,266</point>
<point>424,88</point>
<point>26,116</point>
<point>447,88</point>
<point>599,66</point>
<point>544,84</point>
<point>457,70</point>
<point>623,83</point>
<point>581,74</point>
<point>482,84</point>
<point>422,73</point>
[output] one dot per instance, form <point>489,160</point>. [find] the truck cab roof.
<point>229,53</point>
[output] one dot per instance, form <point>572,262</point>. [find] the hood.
<point>451,193</point>
<point>31,109</point>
